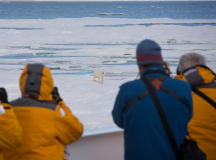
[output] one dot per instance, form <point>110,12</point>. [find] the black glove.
<point>3,95</point>
<point>56,95</point>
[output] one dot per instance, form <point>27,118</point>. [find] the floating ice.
<point>74,48</point>
<point>116,13</point>
<point>121,7</point>
<point>102,13</point>
<point>172,40</point>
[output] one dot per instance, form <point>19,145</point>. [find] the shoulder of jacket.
<point>178,81</point>
<point>208,85</point>
<point>14,102</point>
<point>130,83</point>
<point>5,104</point>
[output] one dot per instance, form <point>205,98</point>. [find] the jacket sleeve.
<point>188,99</point>
<point>187,94</point>
<point>68,128</point>
<point>10,130</point>
<point>117,112</point>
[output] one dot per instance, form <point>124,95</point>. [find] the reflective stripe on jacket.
<point>10,130</point>
<point>202,126</point>
<point>46,131</point>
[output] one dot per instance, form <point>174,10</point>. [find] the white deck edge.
<point>99,132</point>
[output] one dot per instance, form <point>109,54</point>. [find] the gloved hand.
<point>2,110</point>
<point>56,95</point>
<point>3,95</point>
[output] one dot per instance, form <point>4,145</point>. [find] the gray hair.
<point>190,60</point>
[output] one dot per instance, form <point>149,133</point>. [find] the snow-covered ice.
<point>74,48</point>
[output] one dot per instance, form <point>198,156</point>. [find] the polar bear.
<point>98,74</point>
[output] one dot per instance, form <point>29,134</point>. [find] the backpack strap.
<point>135,100</point>
<point>162,116</point>
<point>202,95</point>
<point>174,95</point>
<point>146,92</point>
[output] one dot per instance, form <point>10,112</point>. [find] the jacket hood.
<point>197,76</point>
<point>36,79</point>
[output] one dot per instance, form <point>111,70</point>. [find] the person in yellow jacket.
<point>48,124</point>
<point>202,127</point>
<point>10,130</point>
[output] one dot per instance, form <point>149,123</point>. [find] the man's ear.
<point>141,69</point>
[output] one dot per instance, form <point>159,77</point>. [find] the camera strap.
<point>162,116</point>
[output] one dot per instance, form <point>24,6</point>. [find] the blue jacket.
<point>144,135</point>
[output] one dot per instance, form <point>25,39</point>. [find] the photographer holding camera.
<point>48,124</point>
<point>154,110</point>
<point>10,130</point>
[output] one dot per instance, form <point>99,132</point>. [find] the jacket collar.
<point>197,75</point>
<point>155,67</point>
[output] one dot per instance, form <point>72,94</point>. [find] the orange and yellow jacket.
<point>10,130</point>
<point>47,127</point>
<point>202,126</point>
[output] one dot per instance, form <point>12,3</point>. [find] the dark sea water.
<point>135,10</point>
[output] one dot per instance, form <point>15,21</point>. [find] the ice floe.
<point>74,48</point>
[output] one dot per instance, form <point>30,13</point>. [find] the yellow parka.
<point>10,130</point>
<point>202,126</point>
<point>47,127</point>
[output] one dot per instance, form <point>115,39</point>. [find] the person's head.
<point>190,60</point>
<point>37,80</point>
<point>148,53</point>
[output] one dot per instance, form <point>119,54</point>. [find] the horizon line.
<point>8,1</point>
